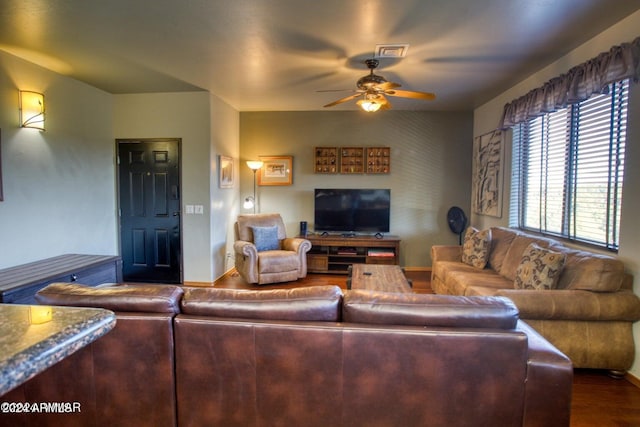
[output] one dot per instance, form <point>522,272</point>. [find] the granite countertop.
<point>32,338</point>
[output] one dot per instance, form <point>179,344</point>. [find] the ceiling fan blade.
<point>386,105</point>
<point>345,99</point>
<point>411,94</point>
<point>336,90</point>
<point>387,85</point>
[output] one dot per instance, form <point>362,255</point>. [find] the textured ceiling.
<point>274,55</point>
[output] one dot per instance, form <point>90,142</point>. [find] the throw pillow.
<point>266,238</point>
<point>539,268</point>
<point>476,247</point>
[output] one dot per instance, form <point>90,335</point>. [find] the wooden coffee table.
<point>378,277</point>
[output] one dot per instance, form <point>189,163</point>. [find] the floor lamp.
<point>250,202</point>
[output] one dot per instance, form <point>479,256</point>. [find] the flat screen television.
<point>352,210</point>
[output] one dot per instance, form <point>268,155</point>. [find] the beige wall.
<point>59,184</point>
<point>430,167</point>
<point>224,202</point>
<point>207,127</point>
<point>486,118</point>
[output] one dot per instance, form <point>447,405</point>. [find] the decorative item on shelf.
<point>378,160</point>
<point>31,109</point>
<point>225,172</point>
<point>250,202</point>
<point>277,170</point>
<point>326,160</point>
<point>352,160</point>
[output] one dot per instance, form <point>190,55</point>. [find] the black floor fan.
<point>457,221</point>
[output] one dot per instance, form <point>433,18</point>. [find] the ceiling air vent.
<point>397,50</point>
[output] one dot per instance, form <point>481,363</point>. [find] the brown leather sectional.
<point>314,356</point>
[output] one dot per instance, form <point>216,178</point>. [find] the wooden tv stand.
<point>335,253</point>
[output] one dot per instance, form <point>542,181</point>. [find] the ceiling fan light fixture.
<point>369,106</point>
<point>373,89</point>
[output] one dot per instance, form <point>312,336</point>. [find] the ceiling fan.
<point>372,88</point>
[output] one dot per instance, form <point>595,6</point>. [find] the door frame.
<point>117,183</point>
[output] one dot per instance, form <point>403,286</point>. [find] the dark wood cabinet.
<point>19,284</point>
<point>334,254</point>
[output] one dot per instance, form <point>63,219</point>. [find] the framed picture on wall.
<point>276,170</point>
<point>487,171</point>
<point>225,172</point>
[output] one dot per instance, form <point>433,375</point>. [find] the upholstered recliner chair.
<point>263,253</point>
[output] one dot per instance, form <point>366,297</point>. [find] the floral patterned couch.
<point>582,302</point>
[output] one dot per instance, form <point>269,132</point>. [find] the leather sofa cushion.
<point>313,303</point>
<point>443,269</point>
<point>278,261</point>
<point>364,306</point>
<point>590,271</point>
<point>245,222</point>
<point>461,281</point>
<point>133,298</point>
<point>501,239</point>
<point>453,276</point>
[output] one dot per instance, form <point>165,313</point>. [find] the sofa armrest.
<point>246,260</point>
<point>574,305</point>
<point>296,244</point>
<point>242,247</point>
<point>119,298</point>
<point>301,247</point>
<point>549,373</point>
<point>446,253</point>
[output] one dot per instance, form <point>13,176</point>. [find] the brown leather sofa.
<point>124,378</point>
<point>309,357</point>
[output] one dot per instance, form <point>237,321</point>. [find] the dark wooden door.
<point>149,191</point>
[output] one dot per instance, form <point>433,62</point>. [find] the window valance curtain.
<point>579,83</point>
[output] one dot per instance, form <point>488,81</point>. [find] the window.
<point>568,168</point>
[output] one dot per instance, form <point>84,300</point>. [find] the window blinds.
<point>568,168</point>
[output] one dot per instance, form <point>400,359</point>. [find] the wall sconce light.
<point>250,202</point>
<point>31,110</point>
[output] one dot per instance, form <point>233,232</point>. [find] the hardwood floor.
<point>598,400</point>
<point>419,278</point>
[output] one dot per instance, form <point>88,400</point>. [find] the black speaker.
<point>303,228</point>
